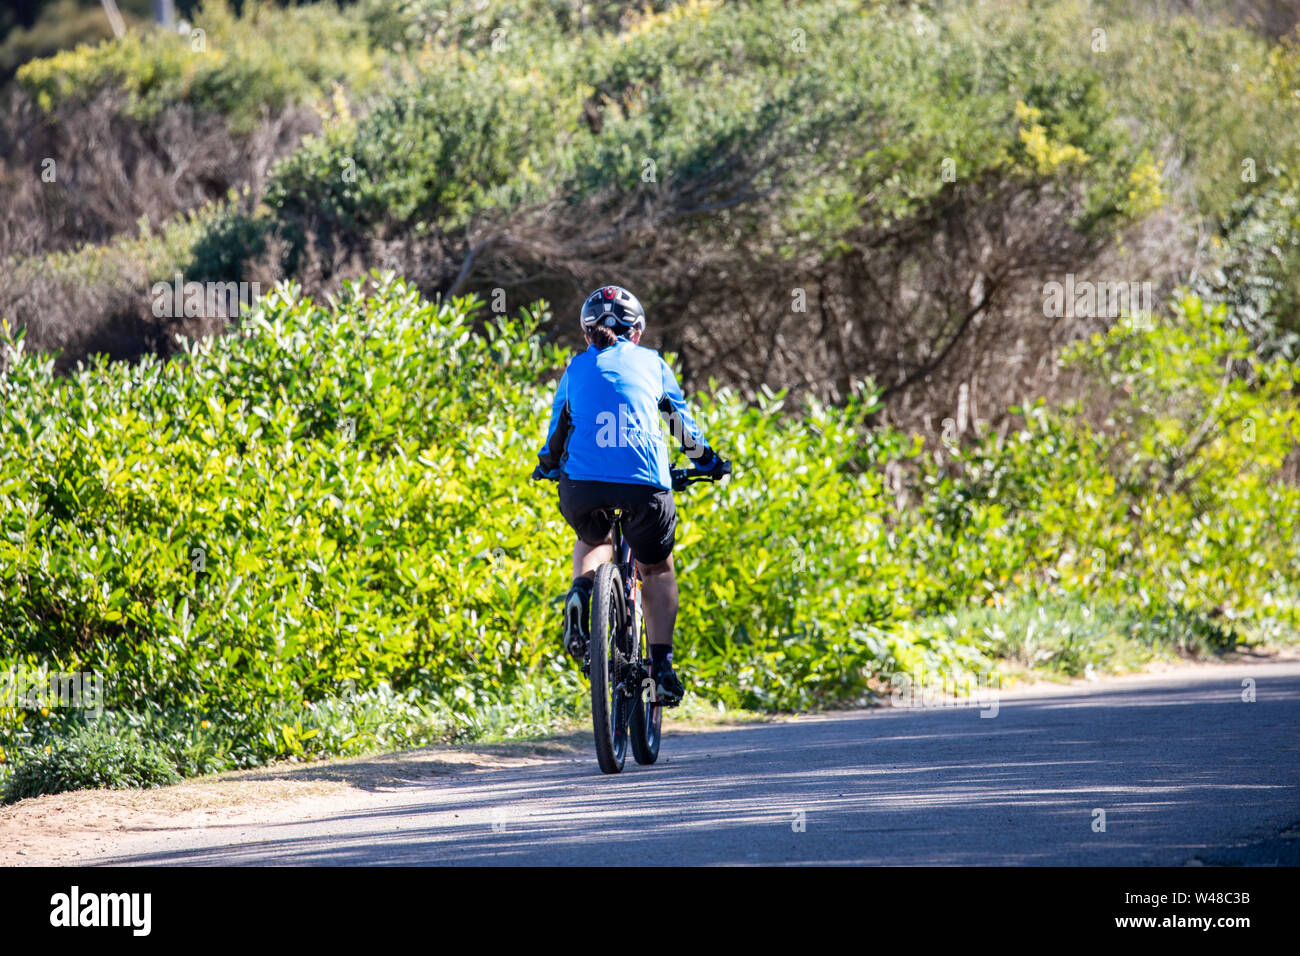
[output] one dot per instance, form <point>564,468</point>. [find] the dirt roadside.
<point>87,826</point>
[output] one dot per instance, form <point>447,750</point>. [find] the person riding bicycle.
<point>607,450</point>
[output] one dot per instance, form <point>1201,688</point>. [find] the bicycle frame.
<point>631,577</point>
<point>625,703</point>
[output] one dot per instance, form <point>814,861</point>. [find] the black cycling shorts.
<point>649,515</point>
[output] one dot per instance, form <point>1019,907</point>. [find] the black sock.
<point>660,654</point>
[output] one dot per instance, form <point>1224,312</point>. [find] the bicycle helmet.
<point>615,307</point>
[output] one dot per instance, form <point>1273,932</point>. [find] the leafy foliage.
<point>696,87</point>
<point>314,535</point>
<point>90,756</point>
<point>471,146</point>
<point>264,58</point>
<point>1169,507</point>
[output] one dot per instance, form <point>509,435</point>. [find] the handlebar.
<point>681,477</point>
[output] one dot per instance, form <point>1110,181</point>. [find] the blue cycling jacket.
<point>605,420</point>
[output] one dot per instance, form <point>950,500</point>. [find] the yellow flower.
<point>45,711</point>
<point>649,20</point>
<point>1145,194</point>
<point>2,755</point>
<point>47,748</point>
<point>1046,155</point>
<point>203,724</point>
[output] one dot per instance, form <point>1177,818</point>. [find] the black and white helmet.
<point>615,307</point>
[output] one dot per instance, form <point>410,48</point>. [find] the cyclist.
<point>606,448</point>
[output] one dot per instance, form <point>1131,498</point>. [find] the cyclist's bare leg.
<point>659,599</point>
<point>588,557</point>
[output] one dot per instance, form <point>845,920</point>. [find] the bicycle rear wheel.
<point>610,709</point>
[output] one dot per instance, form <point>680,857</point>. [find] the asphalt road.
<point>1184,769</point>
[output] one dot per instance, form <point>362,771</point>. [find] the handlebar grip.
<point>682,477</point>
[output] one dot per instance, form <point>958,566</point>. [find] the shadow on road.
<point>1176,773</point>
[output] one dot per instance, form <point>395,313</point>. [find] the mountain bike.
<point>624,706</point>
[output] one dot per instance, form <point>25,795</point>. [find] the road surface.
<point>1183,767</point>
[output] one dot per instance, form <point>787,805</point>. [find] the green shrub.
<point>425,158</point>
<point>1215,100</point>
<point>1170,506</point>
<point>315,535</point>
<point>1257,272</point>
<point>721,99</point>
<point>338,494</point>
<point>263,59</point>
<point>326,468</point>
<point>90,756</point>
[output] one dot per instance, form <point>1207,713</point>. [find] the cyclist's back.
<point>606,416</point>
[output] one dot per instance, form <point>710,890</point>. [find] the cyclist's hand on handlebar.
<point>715,466</point>
<point>540,473</point>
<point>717,469</point>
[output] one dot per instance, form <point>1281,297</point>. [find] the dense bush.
<point>92,755</point>
<point>238,65</point>
<point>338,494</point>
<point>933,161</point>
<point>1258,268</point>
<point>1168,507</point>
<point>316,534</point>
<point>721,157</point>
<point>705,86</point>
<point>957,154</point>
<point>431,154</point>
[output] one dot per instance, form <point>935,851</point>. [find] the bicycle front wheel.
<point>610,711</point>
<point>647,727</point>
<point>647,712</point>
